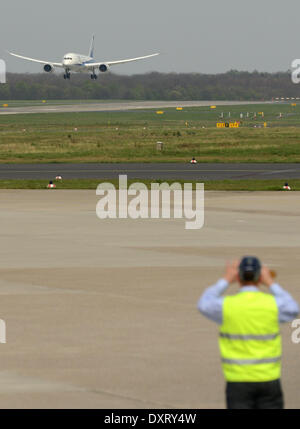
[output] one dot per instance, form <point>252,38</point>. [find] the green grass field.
<point>210,185</point>
<point>132,136</point>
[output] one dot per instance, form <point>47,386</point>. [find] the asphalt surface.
<point>114,106</point>
<point>151,171</point>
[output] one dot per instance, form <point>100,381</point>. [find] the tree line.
<point>233,85</point>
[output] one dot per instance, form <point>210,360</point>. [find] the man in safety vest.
<point>249,337</point>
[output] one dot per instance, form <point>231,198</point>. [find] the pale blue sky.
<point>193,35</point>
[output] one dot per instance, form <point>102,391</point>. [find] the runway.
<point>115,106</point>
<point>157,171</point>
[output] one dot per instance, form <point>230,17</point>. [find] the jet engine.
<point>48,68</point>
<point>103,68</point>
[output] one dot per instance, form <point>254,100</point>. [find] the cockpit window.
<point>68,58</point>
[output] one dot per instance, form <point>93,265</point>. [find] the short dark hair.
<point>248,277</point>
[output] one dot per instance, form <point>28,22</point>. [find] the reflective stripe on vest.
<point>251,361</point>
<point>249,337</point>
<point>250,342</point>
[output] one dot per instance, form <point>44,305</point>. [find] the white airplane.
<point>81,63</point>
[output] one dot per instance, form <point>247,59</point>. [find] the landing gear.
<point>94,76</point>
<point>67,75</point>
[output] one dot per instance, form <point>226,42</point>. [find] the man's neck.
<point>249,284</point>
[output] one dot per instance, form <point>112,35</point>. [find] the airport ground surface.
<point>103,313</point>
<point>159,171</point>
<point>109,106</point>
<point>268,133</point>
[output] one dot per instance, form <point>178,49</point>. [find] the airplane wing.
<point>37,61</point>
<point>112,63</point>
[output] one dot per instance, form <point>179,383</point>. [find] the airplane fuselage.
<point>76,62</point>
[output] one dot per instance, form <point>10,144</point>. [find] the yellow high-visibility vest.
<point>250,340</point>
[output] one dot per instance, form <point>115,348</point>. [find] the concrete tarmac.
<point>165,171</point>
<point>110,106</point>
<point>103,313</point>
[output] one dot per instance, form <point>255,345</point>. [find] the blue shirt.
<point>211,302</point>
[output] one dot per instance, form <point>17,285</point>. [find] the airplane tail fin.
<point>91,51</point>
